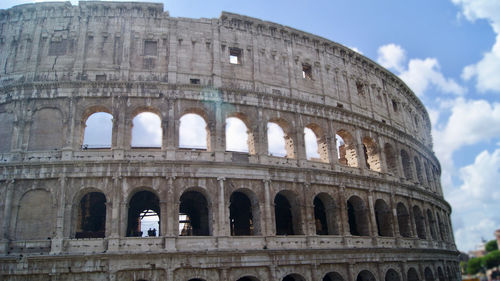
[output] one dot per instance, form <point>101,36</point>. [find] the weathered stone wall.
<point>62,63</point>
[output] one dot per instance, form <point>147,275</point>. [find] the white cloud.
<point>146,131</point>
<point>275,140</point>
<point>391,56</point>
<point>192,131</point>
<point>236,135</point>
<point>476,210</point>
<point>487,69</point>
<point>311,144</point>
<point>98,130</point>
<point>356,50</point>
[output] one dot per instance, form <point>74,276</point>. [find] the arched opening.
<point>383,216</point>
<point>357,217</point>
<point>143,214</point>
<point>432,224</point>
<point>248,278</point>
<point>35,223</point>
<point>286,214</point>
<point>440,274</point>
<point>241,216</point>
<point>194,132</point>
<point>427,174</point>
<point>146,131</point>
<point>333,276</point>
<point>392,275</point>
<point>419,222</point>
<point>346,149</point>
<point>293,277</point>
<point>372,156</point>
<point>325,215</point>
<point>418,167</point>
<point>193,214</point>
<point>196,279</point>
<point>390,157</point>
<point>91,216</point>
<point>442,234</point>
<point>365,275</point>
<point>315,144</point>
<point>412,275</point>
<point>98,131</point>
<point>429,276</point>
<point>405,160</point>
<point>278,141</point>
<point>448,271</point>
<point>403,220</point>
<point>237,136</point>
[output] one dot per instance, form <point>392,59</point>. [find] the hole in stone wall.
<point>98,131</point>
<point>391,161</point>
<point>346,149</point>
<point>237,138</point>
<point>405,160</point>
<point>235,55</point>
<point>241,218</point>
<point>141,204</point>
<point>333,276</point>
<point>320,217</point>
<point>193,132</point>
<point>146,131</point>
<point>193,214</point>
<point>279,143</point>
<point>365,275</point>
<point>307,71</point>
<point>357,217</point>
<point>392,275</point>
<point>419,222</point>
<point>403,220</point>
<point>412,275</point>
<point>372,156</point>
<point>91,216</point>
<point>383,217</point>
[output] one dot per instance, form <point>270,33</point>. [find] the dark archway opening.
<point>283,216</point>
<point>392,275</point>
<point>240,216</point>
<point>92,216</point>
<point>320,217</point>
<point>333,276</point>
<point>139,203</point>
<point>357,216</point>
<point>365,275</point>
<point>193,214</point>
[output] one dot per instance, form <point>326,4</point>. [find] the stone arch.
<point>440,274</point>
<point>46,131</point>
<point>140,201</point>
<point>403,220</point>
<point>320,143</point>
<point>429,276</point>
<point>412,275</point>
<point>35,216</point>
<point>200,137</point>
<point>346,148</point>
<point>91,214</point>
<point>293,277</point>
<point>372,155</point>
<point>365,275</point>
<point>357,214</point>
<point>248,278</point>
<point>427,174</point>
<point>325,214</point>
<point>333,276</point>
<point>286,146</point>
<point>391,159</point>
<point>249,131</point>
<point>194,213</point>
<point>418,168</point>
<point>392,275</point>
<point>405,161</point>
<point>383,217</point>
<point>244,213</point>
<point>432,224</point>
<point>442,233</point>
<point>6,129</point>
<point>287,213</point>
<point>97,128</point>
<point>147,131</point>
<point>419,222</point>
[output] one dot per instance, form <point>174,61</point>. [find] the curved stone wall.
<point>369,206</point>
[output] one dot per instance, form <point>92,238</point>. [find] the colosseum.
<point>362,201</point>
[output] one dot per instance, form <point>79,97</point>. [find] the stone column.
<point>4,241</point>
<point>261,142</point>
<point>308,220</point>
<point>164,218</point>
<point>222,218</point>
<point>116,203</point>
<point>270,227</point>
<point>57,241</point>
<point>344,221</point>
<point>360,150</point>
<point>395,216</point>
<point>373,220</point>
<point>172,212</point>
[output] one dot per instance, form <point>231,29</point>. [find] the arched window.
<point>146,131</point>
<point>98,131</point>
<point>315,144</point>
<point>237,137</point>
<point>346,149</point>
<point>440,274</point>
<point>325,215</point>
<point>293,277</point>
<point>429,276</point>
<point>143,215</point>
<point>35,223</point>
<point>286,214</point>
<point>432,224</point>
<point>390,157</point>
<point>383,216</point>
<point>279,143</point>
<point>357,217</point>
<point>412,275</point>
<point>418,167</point>
<point>91,216</point>
<point>194,132</point>
<point>405,160</point>
<point>193,214</point>
<point>365,275</point>
<point>419,222</point>
<point>46,130</point>
<point>403,220</point>
<point>372,156</point>
<point>392,275</point>
<point>241,215</point>
<point>333,276</point>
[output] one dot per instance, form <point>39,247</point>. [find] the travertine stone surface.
<point>61,63</point>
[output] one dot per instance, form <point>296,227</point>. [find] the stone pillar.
<point>413,226</point>
<point>360,150</point>
<point>116,203</point>
<point>332,144</point>
<point>164,218</point>
<point>222,219</point>
<point>219,144</point>
<point>395,216</point>
<point>270,227</point>
<point>299,142</point>
<point>174,41</point>
<point>4,241</point>
<point>350,272</point>
<point>371,211</point>
<point>344,220</point>
<point>308,210</point>
<point>216,57</point>
<point>261,142</point>
<point>172,213</point>
<point>57,241</point>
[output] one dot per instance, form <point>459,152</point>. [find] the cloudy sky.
<point>447,51</point>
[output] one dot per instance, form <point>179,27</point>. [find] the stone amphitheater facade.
<point>368,208</point>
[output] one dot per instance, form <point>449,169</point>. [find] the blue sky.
<point>447,51</point>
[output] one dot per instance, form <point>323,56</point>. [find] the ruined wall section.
<point>140,42</point>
